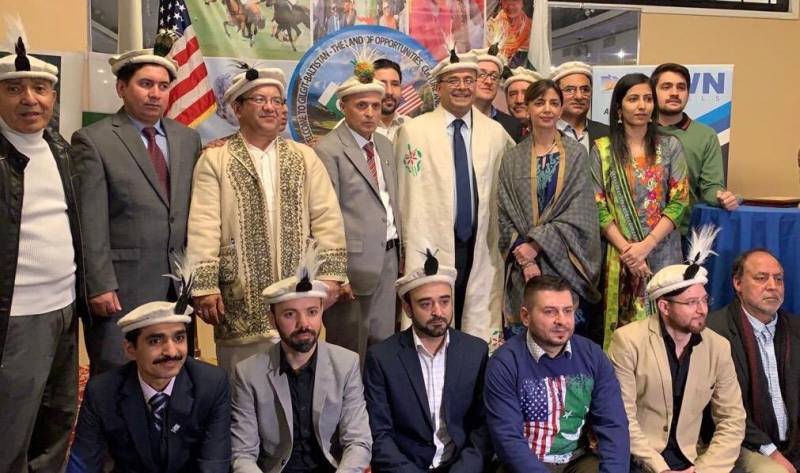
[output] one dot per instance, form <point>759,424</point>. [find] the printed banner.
<point>313,111</point>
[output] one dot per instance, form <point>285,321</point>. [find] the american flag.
<point>191,99</point>
<point>409,101</point>
<point>542,405</point>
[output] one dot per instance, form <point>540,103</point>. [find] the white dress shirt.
<point>149,392</point>
<point>573,133</point>
<point>391,229</point>
<point>266,164</point>
<point>390,131</point>
<point>433,370</point>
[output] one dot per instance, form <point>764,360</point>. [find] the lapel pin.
<point>175,428</point>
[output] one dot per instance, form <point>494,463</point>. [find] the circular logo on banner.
<point>313,110</point>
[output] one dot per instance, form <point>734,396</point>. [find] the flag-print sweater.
<point>540,411</point>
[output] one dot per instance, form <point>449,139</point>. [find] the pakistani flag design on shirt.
<point>554,412</point>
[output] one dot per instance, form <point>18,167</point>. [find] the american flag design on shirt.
<point>554,412</point>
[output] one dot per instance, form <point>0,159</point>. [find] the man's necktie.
<point>463,178</point>
<point>158,408</point>
<point>369,148</point>
<point>157,158</point>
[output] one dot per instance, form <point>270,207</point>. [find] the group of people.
<point>498,233</point>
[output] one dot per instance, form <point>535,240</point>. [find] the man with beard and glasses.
<point>389,74</point>
<point>299,407</point>
<point>700,144</point>
<point>163,411</point>
<point>515,87</point>
<point>575,81</point>
<point>670,369</point>
<point>765,344</point>
<point>549,391</point>
<point>424,386</point>
<point>491,66</point>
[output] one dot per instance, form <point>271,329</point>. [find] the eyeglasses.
<point>454,82</point>
<point>695,303</point>
<point>490,76</point>
<point>261,100</point>
<point>571,89</point>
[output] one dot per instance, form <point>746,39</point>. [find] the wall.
<point>59,25</point>
<point>766,100</point>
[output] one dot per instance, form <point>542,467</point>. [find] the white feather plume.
<point>449,42</point>
<point>184,275</point>
<point>14,30</point>
<point>496,35</point>
<point>701,242</point>
<point>310,262</point>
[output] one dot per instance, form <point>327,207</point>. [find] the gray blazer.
<point>262,418</point>
<point>129,227</point>
<point>359,199</point>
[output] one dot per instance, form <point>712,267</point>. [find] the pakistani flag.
<point>328,100</point>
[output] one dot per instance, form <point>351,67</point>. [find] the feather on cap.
<point>679,276</point>
<point>252,77</point>
<point>431,271</point>
<point>19,64</point>
<point>363,78</point>
<point>303,284</point>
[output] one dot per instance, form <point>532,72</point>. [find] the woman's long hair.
<point>619,145</point>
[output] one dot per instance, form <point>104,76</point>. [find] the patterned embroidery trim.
<point>334,262</point>
<point>206,277</point>
<point>292,174</point>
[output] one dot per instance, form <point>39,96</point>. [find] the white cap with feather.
<point>455,62</point>
<point>158,55</point>
<point>521,74</point>
<point>303,284</point>
<point>252,78</point>
<point>162,312</point>
<point>430,272</point>
<point>680,276</point>
<point>18,64</point>
<point>569,68</point>
<point>363,78</point>
<point>494,52</point>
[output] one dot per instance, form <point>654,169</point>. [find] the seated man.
<point>161,412</point>
<point>424,386</point>
<point>765,345</point>
<point>546,384</point>
<point>299,407</point>
<point>670,369</point>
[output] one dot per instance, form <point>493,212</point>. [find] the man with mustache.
<point>361,166</point>
<point>163,411</point>
<point>765,341</point>
<point>135,169</point>
<point>575,80</point>
<point>40,260</point>
<point>491,68</point>
<point>548,391</point>
<point>424,386</point>
<point>299,406</point>
<point>448,161</point>
<point>670,369</point>
<point>389,74</point>
<point>700,143</point>
<point>515,86</point>
<point>258,197</point>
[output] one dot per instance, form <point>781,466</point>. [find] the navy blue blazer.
<point>399,417</point>
<point>114,418</point>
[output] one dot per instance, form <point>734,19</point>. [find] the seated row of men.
<point>548,400</point>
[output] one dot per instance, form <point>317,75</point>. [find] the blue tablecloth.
<point>776,229</point>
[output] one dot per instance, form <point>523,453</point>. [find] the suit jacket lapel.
<point>410,361</point>
<point>388,163</point>
<point>179,414</point>
<point>660,352</point>
<point>281,386</point>
<point>323,381</point>
<point>135,413</point>
<point>131,139</point>
<point>452,370</point>
<point>175,156</point>
<point>356,155</point>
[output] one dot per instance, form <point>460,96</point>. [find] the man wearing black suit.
<point>491,69</point>
<point>575,80</point>
<point>424,385</point>
<point>162,412</point>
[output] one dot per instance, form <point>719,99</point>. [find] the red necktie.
<point>157,158</point>
<point>369,148</point>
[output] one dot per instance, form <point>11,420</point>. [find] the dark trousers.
<point>38,391</point>
<point>588,463</point>
<point>464,252</point>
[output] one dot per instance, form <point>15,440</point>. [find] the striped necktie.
<point>158,407</point>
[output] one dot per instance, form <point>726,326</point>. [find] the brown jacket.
<point>639,356</point>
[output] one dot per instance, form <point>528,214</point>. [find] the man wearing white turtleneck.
<point>39,260</point>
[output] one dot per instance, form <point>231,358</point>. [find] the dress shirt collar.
<point>149,392</point>
<point>420,347</point>
<point>360,140</point>
<point>759,326</point>
<point>141,126</point>
<point>537,352</point>
<point>565,126</point>
<point>449,118</point>
<point>286,368</point>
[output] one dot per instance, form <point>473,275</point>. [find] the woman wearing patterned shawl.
<point>641,189</point>
<point>547,216</point>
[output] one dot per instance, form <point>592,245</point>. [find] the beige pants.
<point>229,355</point>
<point>754,462</point>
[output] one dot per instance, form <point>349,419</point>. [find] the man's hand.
<point>346,293</point>
<point>106,304</point>
<point>210,308</point>
<point>727,199</point>
<point>333,293</point>
<point>530,271</point>
<point>215,143</point>
<point>524,253</point>
<point>778,457</point>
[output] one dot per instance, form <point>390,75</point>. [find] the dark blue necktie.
<point>463,178</point>
<point>158,408</point>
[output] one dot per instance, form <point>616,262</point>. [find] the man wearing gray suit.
<point>361,165</point>
<point>135,169</point>
<point>299,407</point>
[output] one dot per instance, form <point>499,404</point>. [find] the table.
<point>776,229</point>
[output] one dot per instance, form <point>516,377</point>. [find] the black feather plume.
<point>494,49</point>
<point>691,271</point>
<point>506,72</point>
<point>431,263</point>
<point>453,56</point>
<point>21,63</point>
<point>251,74</point>
<point>163,43</point>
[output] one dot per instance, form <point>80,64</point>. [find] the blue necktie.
<point>158,408</point>
<point>463,177</point>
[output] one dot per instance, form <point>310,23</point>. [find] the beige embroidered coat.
<point>229,237</point>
